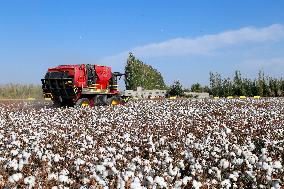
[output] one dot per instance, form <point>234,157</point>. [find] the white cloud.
<point>205,44</point>
<point>208,43</point>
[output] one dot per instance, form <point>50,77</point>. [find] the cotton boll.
<point>232,154</point>
<point>162,140</point>
<point>181,164</point>
<point>214,181</point>
<point>21,164</point>
<point>30,181</point>
<point>251,159</point>
<point>277,165</point>
<point>13,164</point>
<point>79,161</point>
<point>224,163</point>
<point>56,158</point>
<point>63,178</point>
<point>168,159</point>
<point>85,180</point>
<point>150,179</point>
<point>276,184</point>
<point>14,152</point>
<point>160,181</point>
<point>186,179</point>
<point>52,176</point>
<point>178,184</point>
<point>64,172</point>
<point>127,175</point>
<point>15,177</point>
<point>233,177</point>
<point>196,184</point>
<point>136,184</point>
<point>228,130</point>
<point>226,183</point>
<point>263,150</point>
<point>172,172</point>
<point>238,152</point>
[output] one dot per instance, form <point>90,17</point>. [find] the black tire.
<point>83,102</point>
<point>100,100</point>
<point>57,104</point>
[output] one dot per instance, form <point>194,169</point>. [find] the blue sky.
<point>184,39</point>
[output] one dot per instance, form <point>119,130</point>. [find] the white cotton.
<point>89,138</point>
<point>224,163</point>
<point>128,174</point>
<point>15,177</point>
<point>30,181</point>
<point>228,130</point>
<point>85,180</point>
<point>186,179</point>
<point>238,151</point>
<point>13,164</point>
<point>276,184</point>
<point>52,176</point>
<point>172,172</point>
<point>150,179</point>
<point>160,181</point>
<point>196,184</point>
<point>21,164</point>
<point>226,184</point>
<point>56,158</point>
<point>181,164</point>
<point>250,174</point>
<point>136,184</point>
<point>128,149</point>
<point>79,161</point>
<point>178,184</point>
<point>100,168</point>
<point>63,178</point>
<point>265,165</point>
<point>263,150</point>
<point>14,152</point>
<point>126,137</point>
<point>100,180</point>
<point>120,183</point>
<point>64,172</point>
<point>168,159</point>
<point>277,165</point>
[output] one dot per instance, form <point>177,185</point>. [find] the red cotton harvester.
<point>82,85</point>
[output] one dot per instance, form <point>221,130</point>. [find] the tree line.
<point>263,85</point>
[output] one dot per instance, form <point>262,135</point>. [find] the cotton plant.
<point>226,143</point>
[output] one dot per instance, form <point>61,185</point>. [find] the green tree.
<point>196,88</point>
<point>176,89</point>
<point>139,74</point>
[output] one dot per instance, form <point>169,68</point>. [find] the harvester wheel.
<point>100,100</point>
<point>114,100</point>
<point>83,102</point>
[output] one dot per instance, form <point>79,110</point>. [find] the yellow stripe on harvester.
<point>31,98</point>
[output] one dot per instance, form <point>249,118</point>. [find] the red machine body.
<point>69,84</point>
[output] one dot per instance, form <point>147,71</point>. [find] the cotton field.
<point>225,143</point>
